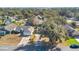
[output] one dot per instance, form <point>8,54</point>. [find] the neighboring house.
<point>69,29</point>
<point>77,23</point>
<point>28,23</point>
<point>37,20</point>
<point>70,20</point>
<point>73,19</point>
<point>30,28</point>
<point>2,32</point>
<point>7,21</point>
<point>23,30</point>
<point>27,30</point>
<point>75,33</point>
<point>0,17</point>
<point>2,28</point>
<point>17,29</point>
<point>11,27</point>
<point>15,17</point>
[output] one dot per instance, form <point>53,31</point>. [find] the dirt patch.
<point>11,39</point>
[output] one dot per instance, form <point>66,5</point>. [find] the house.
<point>11,27</point>
<point>28,23</point>
<point>69,29</point>
<point>0,17</point>
<point>70,20</point>
<point>24,30</point>
<point>37,20</point>
<point>1,27</point>
<point>2,32</point>
<point>17,29</point>
<point>7,21</point>
<point>27,30</point>
<point>75,33</point>
<point>77,23</point>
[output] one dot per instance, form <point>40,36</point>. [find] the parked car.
<point>74,46</point>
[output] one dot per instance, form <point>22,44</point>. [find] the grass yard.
<point>68,42</point>
<point>72,41</point>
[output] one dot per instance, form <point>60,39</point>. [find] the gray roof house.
<point>72,31</point>
<point>72,18</point>
<point>75,33</point>
<point>7,21</point>
<point>2,28</point>
<point>11,27</point>
<point>25,31</point>
<point>2,33</point>
<point>77,23</point>
<point>17,29</point>
<point>68,27</point>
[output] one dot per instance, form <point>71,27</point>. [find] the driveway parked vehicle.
<point>74,46</point>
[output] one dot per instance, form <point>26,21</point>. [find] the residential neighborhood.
<point>35,29</point>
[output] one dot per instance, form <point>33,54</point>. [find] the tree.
<point>1,22</point>
<point>54,29</point>
<point>73,24</point>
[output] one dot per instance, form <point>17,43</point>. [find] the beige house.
<point>37,20</point>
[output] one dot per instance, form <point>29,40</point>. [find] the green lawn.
<point>72,41</point>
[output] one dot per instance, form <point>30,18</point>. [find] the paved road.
<point>69,49</point>
<point>31,48</point>
<point>7,48</point>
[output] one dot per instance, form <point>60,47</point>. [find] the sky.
<point>39,3</point>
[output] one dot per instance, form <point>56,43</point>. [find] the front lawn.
<point>72,41</point>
